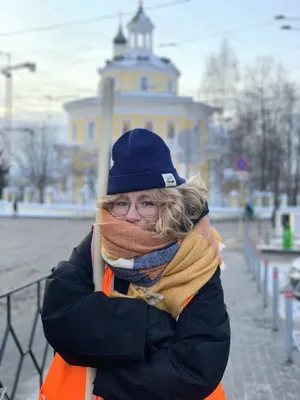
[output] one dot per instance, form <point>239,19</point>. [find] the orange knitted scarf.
<point>194,263</point>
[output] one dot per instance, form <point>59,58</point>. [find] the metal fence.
<point>266,278</point>
<point>10,334</point>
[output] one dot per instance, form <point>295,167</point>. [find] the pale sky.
<point>67,58</point>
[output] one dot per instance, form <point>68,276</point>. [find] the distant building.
<point>146,95</point>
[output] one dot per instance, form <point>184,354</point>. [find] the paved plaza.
<point>256,370</point>
<point>29,248</point>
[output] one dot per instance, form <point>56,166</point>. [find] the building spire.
<point>120,38</point>
<point>120,18</point>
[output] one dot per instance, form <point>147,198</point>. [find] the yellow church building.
<point>146,95</point>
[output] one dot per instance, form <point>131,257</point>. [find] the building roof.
<point>120,37</point>
<point>140,58</point>
<point>140,23</point>
<point>139,98</point>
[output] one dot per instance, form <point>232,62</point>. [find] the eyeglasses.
<point>145,208</point>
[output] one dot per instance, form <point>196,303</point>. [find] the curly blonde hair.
<point>179,207</point>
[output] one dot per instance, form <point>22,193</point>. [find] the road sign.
<point>242,175</point>
<point>241,164</point>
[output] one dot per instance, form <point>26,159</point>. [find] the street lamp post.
<point>7,71</point>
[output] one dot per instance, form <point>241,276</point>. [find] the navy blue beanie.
<point>141,161</point>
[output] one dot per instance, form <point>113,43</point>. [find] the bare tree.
<point>37,159</point>
<point>258,97</point>
<point>265,126</point>
<point>220,87</point>
<point>3,172</point>
<point>4,167</point>
<point>262,106</point>
<point>221,77</point>
<point>296,186</point>
<point>288,118</point>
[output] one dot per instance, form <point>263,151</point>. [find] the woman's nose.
<point>132,214</point>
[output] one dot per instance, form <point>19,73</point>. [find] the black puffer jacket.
<point>140,352</point>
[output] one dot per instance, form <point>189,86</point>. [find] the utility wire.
<point>218,34</point>
<point>87,21</point>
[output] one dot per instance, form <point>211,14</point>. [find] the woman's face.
<point>139,208</point>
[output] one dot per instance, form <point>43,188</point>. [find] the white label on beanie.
<point>169,180</point>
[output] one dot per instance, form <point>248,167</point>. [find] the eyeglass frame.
<point>130,203</point>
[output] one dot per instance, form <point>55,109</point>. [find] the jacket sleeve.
<point>88,328</point>
<point>190,369</point>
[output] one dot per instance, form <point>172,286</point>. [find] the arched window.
<point>149,125</point>
<point>91,131</point>
<point>171,131</point>
<point>74,133</point>
<point>144,83</point>
<point>170,86</point>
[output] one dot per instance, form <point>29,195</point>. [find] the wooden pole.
<point>104,157</point>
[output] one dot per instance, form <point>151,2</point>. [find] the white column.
<point>49,195</point>
<point>81,196</point>
<point>269,196</point>
<point>6,194</point>
<point>283,200</point>
<point>233,199</point>
<point>28,194</point>
<point>257,199</point>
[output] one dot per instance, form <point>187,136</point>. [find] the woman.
<point>159,329</point>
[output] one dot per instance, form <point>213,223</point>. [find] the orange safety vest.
<point>64,381</point>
